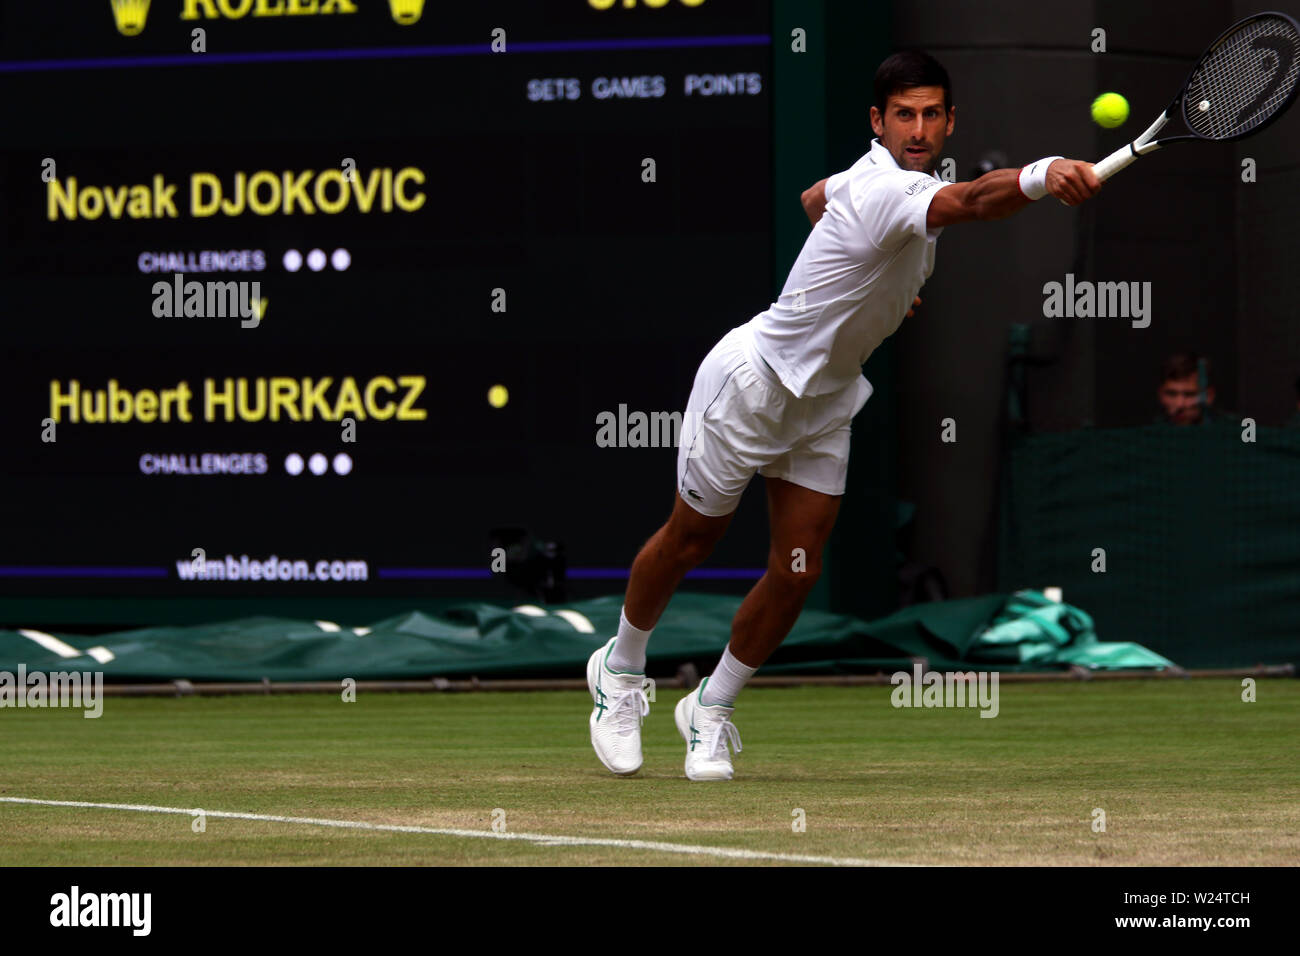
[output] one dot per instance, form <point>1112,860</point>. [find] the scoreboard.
<point>312,295</point>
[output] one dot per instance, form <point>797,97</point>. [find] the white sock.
<point>726,681</point>
<point>628,654</point>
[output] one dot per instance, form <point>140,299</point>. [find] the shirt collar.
<point>881,156</point>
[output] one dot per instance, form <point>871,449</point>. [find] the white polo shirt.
<point>858,273</point>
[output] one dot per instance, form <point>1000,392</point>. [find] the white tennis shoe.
<point>621,706</point>
<point>707,731</point>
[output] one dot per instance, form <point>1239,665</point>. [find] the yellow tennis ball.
<point>498,396</point>
<point>1109,110</point>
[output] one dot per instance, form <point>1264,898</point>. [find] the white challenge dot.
<point>293,464</point>
<point>318,464</point>
<point>315,260</point>
<point>341,259</point>
<point>293,260</point>
<point>342,463</point>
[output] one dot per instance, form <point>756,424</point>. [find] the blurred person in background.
<point>1185,393</point>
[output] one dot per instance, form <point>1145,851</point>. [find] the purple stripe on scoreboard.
<point>455,574</point>
<point>587,574</point>
<point>379,53</point>
<point>597,574</point>
<point>19,571</point>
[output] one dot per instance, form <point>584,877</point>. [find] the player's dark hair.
<point>909,68</point>
<point>1180,365</point>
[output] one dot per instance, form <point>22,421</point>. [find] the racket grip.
<point>1113,163</point>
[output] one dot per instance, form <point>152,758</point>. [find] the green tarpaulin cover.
<point>1017,632</point>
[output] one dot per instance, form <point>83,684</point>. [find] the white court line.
<point>543,839</point>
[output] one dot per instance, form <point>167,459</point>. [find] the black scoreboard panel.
<point>350,284</point>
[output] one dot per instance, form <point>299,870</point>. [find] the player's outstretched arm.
<point>999,194</point>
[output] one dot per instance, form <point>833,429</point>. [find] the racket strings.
<point>1245,79</point>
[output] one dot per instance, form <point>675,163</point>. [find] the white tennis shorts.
<point>740,420</point>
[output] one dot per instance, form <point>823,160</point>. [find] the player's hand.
<point>912,311</point>
<point>1072,181</point>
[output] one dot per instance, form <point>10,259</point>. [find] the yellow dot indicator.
<point>498,396</point>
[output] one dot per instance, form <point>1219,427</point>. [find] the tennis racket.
<point>1242,83</point>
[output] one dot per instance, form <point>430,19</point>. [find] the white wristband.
<point>1033,178</point>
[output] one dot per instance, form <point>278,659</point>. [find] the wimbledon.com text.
<point>244,568</point>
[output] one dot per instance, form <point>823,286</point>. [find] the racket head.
<point>1249,76</point>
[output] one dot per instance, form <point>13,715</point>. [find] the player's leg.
<point>801,522</point>
<point>718,455</point>
<point>804,487</point>
<point>684,541</point>
<point>721,445</point>
<point>616,672</point>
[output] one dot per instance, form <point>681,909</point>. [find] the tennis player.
<point>776,395</point>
